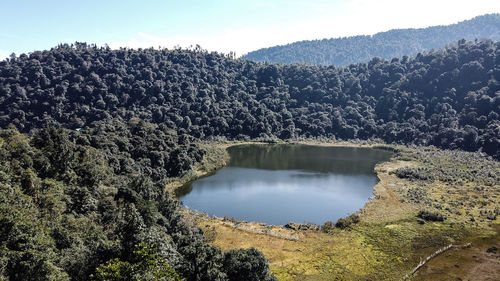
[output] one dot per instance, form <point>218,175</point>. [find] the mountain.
<point>388,45</point>
<point>449,98</point>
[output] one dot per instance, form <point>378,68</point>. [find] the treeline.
<point>71,211</point>
<point>449,98</point>
<point>388,45</point>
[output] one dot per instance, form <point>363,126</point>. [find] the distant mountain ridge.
<point>387,45</point>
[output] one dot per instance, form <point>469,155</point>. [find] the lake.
<point>284,183</point>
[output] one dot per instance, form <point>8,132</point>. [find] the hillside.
<point>389,44</point>
<point>449,98</point>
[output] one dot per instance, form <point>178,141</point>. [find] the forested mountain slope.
<point>85,206</point>
<point>449,97</point>
<point>390,44</point>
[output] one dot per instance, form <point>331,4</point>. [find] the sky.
<point>216,25</point>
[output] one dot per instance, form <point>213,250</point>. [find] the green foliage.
<point>328,226</point>
<point>207,262</point>
<point>247,264</point>
<point>146,107</point>
<point>450,166</point>
<point>413,173</point>
<point>451,184</point>
<point>148,265</point>
<point>114,270</point>
<point>89,217</point>
<point>430,216</point>
<point>26,248</point>
<point>346,222</point>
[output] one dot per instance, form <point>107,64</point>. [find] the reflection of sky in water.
<point>280,196</point>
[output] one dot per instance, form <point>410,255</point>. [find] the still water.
<point>277,184</point>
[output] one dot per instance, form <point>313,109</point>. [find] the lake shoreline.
<point>271,229</point>
<point>388,223</point>
<point>278,183</point>
<point>220,160</point>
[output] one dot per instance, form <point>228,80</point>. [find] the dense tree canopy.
<point>69,211</point>
<point>388,45</point>
<point>449,98</point>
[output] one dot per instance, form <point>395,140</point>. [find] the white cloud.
<point>354,17</point>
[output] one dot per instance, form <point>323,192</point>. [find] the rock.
<point>299,226</point>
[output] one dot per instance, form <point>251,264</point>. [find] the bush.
<point>430,216</point>
<point>346,222</point>
<point>247,265</point>
<point>413,173</point>
<point>149,265</point>
<point>327,226</point>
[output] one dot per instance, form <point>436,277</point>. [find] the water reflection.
<point>277,184</point>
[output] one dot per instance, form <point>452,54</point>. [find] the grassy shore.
<point>389,241</point>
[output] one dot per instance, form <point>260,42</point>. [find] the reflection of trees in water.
<point>345,160</point>
<point>280,196</point>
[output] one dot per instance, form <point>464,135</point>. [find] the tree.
<point>250,265</point>
<point>146,264</point>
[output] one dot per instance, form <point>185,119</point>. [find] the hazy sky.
<point>220,25</point>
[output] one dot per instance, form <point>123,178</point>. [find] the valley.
<point>96,141</point>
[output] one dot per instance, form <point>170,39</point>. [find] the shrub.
<point>149,265</point>
<point>414,173</point>
<point>430,216</point>
<point>247,264</point>
<point>346,222</point>
<point>327,226</point>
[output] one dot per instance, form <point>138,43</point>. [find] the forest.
<point>449,98</point>
<point>71,211</point>
<point>90,136</point>
<point>390,44</point>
